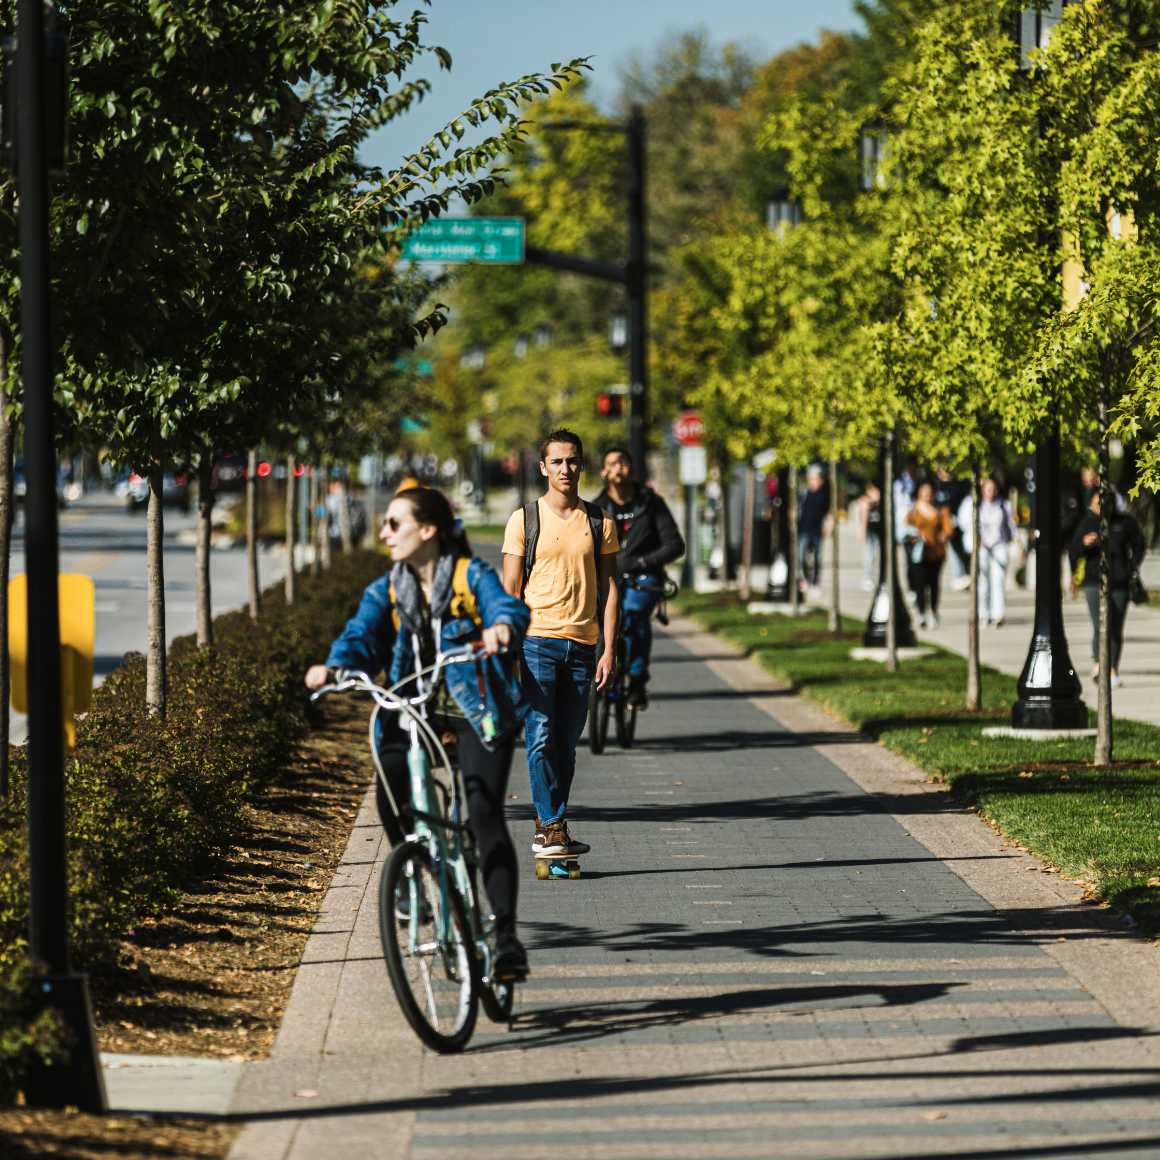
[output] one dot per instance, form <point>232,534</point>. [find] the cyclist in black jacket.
<point>649,539</point>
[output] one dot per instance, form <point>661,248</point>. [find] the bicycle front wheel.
<point>428,948</point>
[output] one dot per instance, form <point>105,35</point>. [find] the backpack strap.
<point>531,537</point>
<point>463,602</point>
<point>596,517</point>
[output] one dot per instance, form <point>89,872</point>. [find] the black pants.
<point>485,778</point>
<point>1117,614</point>
<point>924,584</point>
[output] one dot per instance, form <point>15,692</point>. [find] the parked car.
<point>20,484</point>
<point>174,491</point>
<point>229,473</point>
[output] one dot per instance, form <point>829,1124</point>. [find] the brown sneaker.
<point>538,838</point>
<point>557,840</point>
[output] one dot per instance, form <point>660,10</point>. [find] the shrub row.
<point>152,803</point>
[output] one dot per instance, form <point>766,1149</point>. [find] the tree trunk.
<point>974,674</point>
<point>155,685</point>
<point>252,534</point>
<point>317,521</point>
<point>835,558</point>
<point>791,557</point>
<point>324,523</point>
<point>291,526</point>
<point>747,534</point>
<point>6,514</point>
<point>728,564</point>
<point>1103,754</point>
<point>345,534</point>
<point>202,581</point>
<point>888,547</point>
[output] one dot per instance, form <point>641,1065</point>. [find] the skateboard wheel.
<point>542,870</point>
<point>573,869</point>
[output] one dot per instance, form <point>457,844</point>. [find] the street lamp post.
<point>1049,691</point>
<point>76,1080</point>
<point>633,274</point>
<point>888,623</point>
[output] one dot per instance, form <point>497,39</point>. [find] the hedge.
<point>152,803</point>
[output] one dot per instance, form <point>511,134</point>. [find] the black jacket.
<point>652,539</point>
<point>1126,549</point>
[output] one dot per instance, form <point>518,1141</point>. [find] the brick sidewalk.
<point>785,944</point>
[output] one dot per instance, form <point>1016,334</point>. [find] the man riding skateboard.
<point>559,554</point>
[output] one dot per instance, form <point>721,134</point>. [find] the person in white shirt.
<point>996,534</point>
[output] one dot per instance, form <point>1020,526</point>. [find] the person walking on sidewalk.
<point>1126,548</point>
<point>649,539</point>
<point>559,553</point>
<point>996,535</point>
<point>929,528</point>
<point>814,508</point>
<point>438,596</point>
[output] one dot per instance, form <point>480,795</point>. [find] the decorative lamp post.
<point>873,144</point>
<point>1049,691</point>
<point>781,213</point>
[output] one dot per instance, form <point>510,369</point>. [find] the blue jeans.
<point>636,609</point>
<point>556,678</point>
<point>810,556</point>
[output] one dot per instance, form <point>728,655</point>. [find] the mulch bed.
<point>212,977</point>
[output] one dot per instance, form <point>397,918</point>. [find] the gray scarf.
<point>415,614</point>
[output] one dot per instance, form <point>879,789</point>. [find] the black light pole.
<point>633,274</point>
<point>76,1081</point>
<point>1049,689</point>
<point>637,296</point>
<point>877,619</point>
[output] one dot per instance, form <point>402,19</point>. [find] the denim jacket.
<point>369,642</point>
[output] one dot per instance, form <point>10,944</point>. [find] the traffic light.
<point>609,405</point>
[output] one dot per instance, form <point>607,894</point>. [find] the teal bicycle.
<point>438,941</point>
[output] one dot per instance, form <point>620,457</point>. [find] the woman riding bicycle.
<point>403,620</point>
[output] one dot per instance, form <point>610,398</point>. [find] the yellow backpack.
<point>463,603</point>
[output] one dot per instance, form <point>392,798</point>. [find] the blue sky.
<point>493,40</point>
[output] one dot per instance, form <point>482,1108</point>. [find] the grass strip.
<point>1097,824</point>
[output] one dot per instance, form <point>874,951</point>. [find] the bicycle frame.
<point>443,832</point>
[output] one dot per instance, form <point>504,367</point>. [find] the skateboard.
<point>557,866</point>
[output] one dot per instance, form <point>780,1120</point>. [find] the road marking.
<point>690,855</point>
<point>675,829</point>
<point>714,902</point>
<point>722,922</point>
<point>705,886</point>
<point>659,792</point>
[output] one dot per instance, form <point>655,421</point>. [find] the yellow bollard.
<point>78,630</point>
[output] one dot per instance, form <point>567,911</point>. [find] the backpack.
<point>463,602</point>
<point>595,515</point>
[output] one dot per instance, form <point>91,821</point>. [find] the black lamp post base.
<point>1032,712</point>
<point>76,1080</point>
<point>874,635</point>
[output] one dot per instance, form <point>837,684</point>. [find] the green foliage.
<point>152,802</point>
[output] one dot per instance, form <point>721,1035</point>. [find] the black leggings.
<point>924,584</point>
<point>485,777</point>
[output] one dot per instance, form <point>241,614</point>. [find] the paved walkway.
<point>1005,648</point>
<point>785,944</point>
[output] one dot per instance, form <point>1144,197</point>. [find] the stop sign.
<point>689,429</point>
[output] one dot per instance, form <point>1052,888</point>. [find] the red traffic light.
<point>609,405</point>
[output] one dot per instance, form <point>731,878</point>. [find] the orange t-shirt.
<point>562,590</point>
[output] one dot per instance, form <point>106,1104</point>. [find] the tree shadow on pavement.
<point>731,740</point>
<point>559,1025</point>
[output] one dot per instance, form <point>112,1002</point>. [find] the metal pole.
<point>637,296</point>
<point>78,1080</point>
<point>1049,690</point>
<point>689,566</point>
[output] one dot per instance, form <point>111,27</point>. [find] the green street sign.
<point>491,240</point>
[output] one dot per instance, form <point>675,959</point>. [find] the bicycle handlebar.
<point>347,679</point>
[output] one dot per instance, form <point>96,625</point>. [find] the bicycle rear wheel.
<point>598,712</point>
<point>430,955</point>
<point>625,722</point>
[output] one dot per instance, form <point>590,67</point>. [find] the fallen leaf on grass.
<point>1154,881</point>
<point>1027,773</point>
